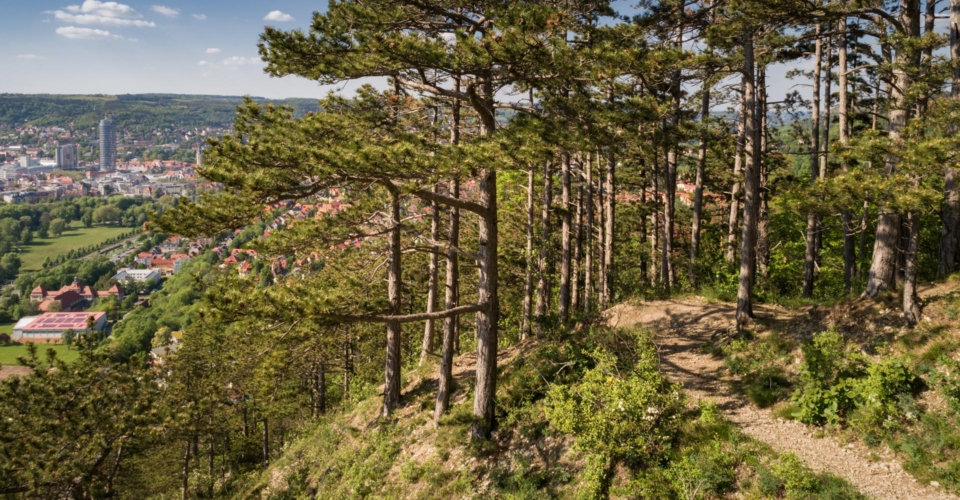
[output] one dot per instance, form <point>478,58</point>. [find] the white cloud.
<point>213,50</point>
<point>92,12</point>
<point>200,17</point>
<point>165,11</point>
<point>236,61</point>
<point>203,63</point>
<point>29,57</point>
<point>278,16</point>
<point>86,33</point>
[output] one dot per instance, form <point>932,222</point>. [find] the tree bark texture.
<point>451,300</point>
<point>546,255</point>
<point>391,388</point>
<point>610,200</point>
<point>751,188</point>
<point>731,243</point>
<point>525,329</point>
<point>429,329</point>
<point>849,245</point>
<point>588,233</point>
<point>883,267</point>
<point>566,233</point>
<point>698,183</point>
<point>811,250</point>
<point>484,401</point>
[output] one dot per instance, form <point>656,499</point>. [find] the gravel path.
<point>684,325</point>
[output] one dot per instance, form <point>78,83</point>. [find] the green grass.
<point>77,237</point>
<point>9,354</point>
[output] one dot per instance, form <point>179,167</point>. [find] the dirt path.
<point>685,325</point>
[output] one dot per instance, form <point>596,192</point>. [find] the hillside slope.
<point>539,452</point>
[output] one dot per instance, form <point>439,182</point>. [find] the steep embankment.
<point>684,327</point>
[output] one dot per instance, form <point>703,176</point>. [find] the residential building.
<point>49,327</point>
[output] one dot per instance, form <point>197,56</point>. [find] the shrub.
<point>4,338</point>
<point>824,396</point>
<point>704,474</point>
<point>884,397</point>
<point>631,418</point>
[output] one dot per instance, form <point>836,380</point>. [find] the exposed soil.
<point>683,326</point>
<point>9,371</point>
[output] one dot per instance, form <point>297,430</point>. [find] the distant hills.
<point>138,112</point>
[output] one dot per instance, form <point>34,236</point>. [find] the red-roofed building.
<point>245,269</point>
<point>165,266</point>
<point>115,291</point>
<point>38,294</point>
<point>49,327</point>
<point>69,301</point>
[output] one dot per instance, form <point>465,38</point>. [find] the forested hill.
<point>130,112</point>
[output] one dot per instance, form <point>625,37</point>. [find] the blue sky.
<point>130,47</point>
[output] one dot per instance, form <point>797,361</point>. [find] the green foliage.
<point>631,418</point>
<point>60,430</point>
<point>824,393</point>
<point>840,387</point>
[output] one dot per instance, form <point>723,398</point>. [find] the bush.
<point>631,419</point>
<point>4,338</point>
<point>838,386</point>
<point>824,394</point>
<point>884,397</point>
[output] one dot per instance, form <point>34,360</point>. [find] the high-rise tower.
<point>67,157</point>
<point>108,145</point>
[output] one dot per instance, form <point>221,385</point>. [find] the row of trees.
<point>486,94</point>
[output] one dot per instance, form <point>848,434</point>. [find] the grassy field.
<point>9,354</point>
<point>77,237</point>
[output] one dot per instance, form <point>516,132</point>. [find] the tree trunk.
<point>731,244</point>
<point>669,195</point>
<point>543,285</point>
<point>320,390</point>
<point>347,365</point>
<point>451,300</point>
<point>911,303</point>
<point>655,199</point>
<point>210,468</point>
<point>609,210</point>
<point>601,233</point>
<point>484,402</point>
<point>588,232</point>
<point>428,330</point>
<point>266,442</point>
<point>827,98</point>
<point>811,251</point>
<point>763,220</point>
<point>849,249</point>
<point>884,264</point>
<point>391,388</point>
<point>525,329</point>
<point>698,183</point>
<point>751,188</point>
<point>950,216</point>
<point>566,233</point>
<point>185,472</point>
<point>577,250</point>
